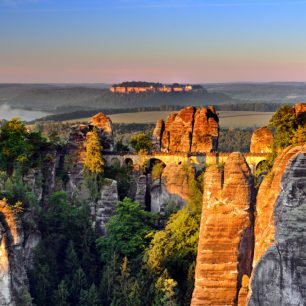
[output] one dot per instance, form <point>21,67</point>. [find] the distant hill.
<point>64,98</point>
<point>67,98</point>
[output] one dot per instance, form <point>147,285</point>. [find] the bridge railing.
<point>188,154</point>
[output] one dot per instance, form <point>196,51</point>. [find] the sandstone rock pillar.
<point>225,247</point>
<point>279,274</point>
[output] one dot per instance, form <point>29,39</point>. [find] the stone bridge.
<point>199,160</point>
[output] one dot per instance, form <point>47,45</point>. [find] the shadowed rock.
<point>279,276</point>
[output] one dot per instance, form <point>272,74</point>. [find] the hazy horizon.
<point>191,41</point>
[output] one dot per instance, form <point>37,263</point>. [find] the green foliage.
<point>235,139</point>
<point>122,174</point>
<point>94,162</point>
<point>141,142</point>
<point>66,260</point>
<point>173,250</point>
<point>285,124</point>
<point>299,136</point>
<point>20,149</point>
<point>25,298</point>
<point>121,147</point>
<point>165,290</point>
<point>176,244</point>
<point>61,294</point>
<point>126,288</point>
<point>127,230</point>
<point>15,191</point>
<point>90,297</point>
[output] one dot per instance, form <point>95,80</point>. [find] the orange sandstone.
<point>226,234</point>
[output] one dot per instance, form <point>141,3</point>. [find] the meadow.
<point>228,119</point>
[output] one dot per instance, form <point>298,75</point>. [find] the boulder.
<point>205,130</point>
<point>189,130</point>
<point>261,141</point>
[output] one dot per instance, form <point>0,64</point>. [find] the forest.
<point>143,258</point>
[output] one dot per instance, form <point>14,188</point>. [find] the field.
<point>228,119</point>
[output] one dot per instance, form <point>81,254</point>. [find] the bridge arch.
<point>155,166</point>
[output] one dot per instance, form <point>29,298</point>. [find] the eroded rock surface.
<point>104,126</point>
<point>225,248</point>
<point>75,153</point>
<point>102,210</point>
<point>261,141</point>
<point>279,276</point>
<point>300,110</point>
<point>157,135</point>
<point>141,190</point>
<point>189,130</point>
<point>15,253</point>
<point>172,188</point>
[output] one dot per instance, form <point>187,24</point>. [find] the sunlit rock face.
<point>261,141</point>
<point>157,135</point>
<point>75,152</point>
<point>300,110</point>
<point>279,274</point>
<point>205,130</point>
<point>13,262</point>
<point>225,248</point>
<point>104,126</point>
<point>172,187</point>
<point>189,130</point>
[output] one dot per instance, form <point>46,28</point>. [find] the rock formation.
<point>300,110</point>
<point>225,248</point>
<point>171,188</point>
<point>261,141</point>
<point>15,255</point>
<point>189,130</point>
<point>103,209</point>
<point>141,190</point>
<point>157,135</point>
<point>104,126</point>
<point>75,152</point>
<point>279,275</point>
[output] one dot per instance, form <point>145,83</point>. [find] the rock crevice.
<point>189,130</point>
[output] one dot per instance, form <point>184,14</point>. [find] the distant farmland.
<point>228,119</point>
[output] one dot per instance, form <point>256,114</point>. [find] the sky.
<point>191,41</point>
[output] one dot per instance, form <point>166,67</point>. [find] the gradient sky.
<point>155,40</point>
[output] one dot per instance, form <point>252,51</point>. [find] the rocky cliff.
<point>171,188</point>
<point>279,275</point>
<point>189,130</point>
<point>74,153</point>
<point>261,141</point>
<point>225,247</point>
<point>300,111</point>
<point>16,252</point>
<point>103,209</point>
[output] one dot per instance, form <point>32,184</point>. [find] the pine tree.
<point>62,294</point>
<point>94,162</point>
<point>89,297</point>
